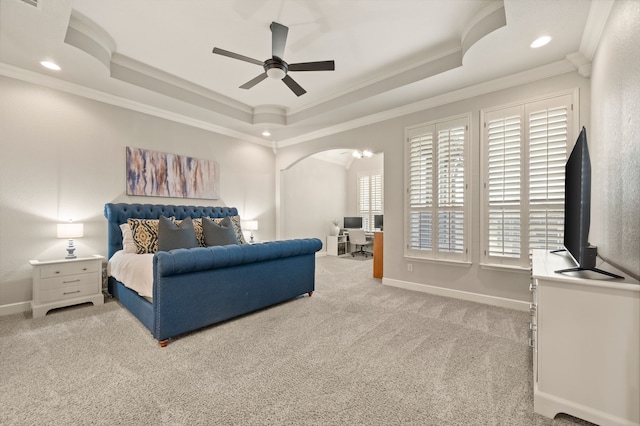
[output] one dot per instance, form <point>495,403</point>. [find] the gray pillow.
<point>172,235</point>
<point>220,234</point>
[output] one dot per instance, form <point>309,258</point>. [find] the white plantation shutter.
<point>437,190</point>
<point>525,150</point>
<point>451,189</point>
<point>420,190</point>
<point>504,185</point>
<point>369,198</point>
<point>548,140</point>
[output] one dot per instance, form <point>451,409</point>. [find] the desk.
<point>336,245</point>
<point>378,255</point>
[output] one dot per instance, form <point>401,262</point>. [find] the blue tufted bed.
<point>197,287</point>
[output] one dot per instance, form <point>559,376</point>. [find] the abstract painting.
<point>157,174</point>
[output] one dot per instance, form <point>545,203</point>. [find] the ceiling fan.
<point>275,67</point>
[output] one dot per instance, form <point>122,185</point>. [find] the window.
<point>524,154</point>
<point>369,197</point>
<point>437,190</point>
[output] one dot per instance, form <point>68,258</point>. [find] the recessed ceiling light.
<point>540,41</point>
<point>50,65</point>
<point>266,133</point>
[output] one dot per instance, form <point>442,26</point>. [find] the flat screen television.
<point>577,209</point>
<point>354,222</point>
<point>377,221</point>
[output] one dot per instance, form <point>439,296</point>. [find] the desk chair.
<point>357,237</point>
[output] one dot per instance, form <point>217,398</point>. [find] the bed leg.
<point>163,343</point>
<point>310,293</point>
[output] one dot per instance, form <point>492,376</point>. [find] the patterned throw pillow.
<point>235,222</point>
<point>145,234</point>
<point>197,225</point>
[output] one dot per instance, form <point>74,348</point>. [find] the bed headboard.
<point>118,213</point>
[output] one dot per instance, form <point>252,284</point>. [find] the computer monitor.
<point>354,222</point>
<point>377,221</point>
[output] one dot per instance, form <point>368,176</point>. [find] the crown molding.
<point>550,70</point>
<point>540,73</point>
<point>581,63</point>
<point>97,95</point>
<point>598,14</point>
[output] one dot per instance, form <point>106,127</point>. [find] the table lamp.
<point>70,231</point>
<point>250,225</point>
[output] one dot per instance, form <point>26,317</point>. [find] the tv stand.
<point>585,338</point>
<point>579,268</point>
<point>600,271</point>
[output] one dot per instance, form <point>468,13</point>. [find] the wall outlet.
<point>410,267</point>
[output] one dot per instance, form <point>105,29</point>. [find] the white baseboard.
<point>458,294</point>
<point>15,308</point>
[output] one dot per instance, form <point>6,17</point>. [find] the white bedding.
<point>133,270</point>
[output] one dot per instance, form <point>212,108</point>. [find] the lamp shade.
<point>250,225</point>
<point>70,230</point>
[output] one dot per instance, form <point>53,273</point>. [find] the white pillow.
<point>128,243</point>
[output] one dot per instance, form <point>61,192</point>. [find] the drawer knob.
<point>72,281</point>
<point>71,292</point>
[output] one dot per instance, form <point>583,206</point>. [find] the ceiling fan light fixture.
<point>275,68</point>
<point>276,73</point>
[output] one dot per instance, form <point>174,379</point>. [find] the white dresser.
<point>58,283</point>
<point>585,334</point>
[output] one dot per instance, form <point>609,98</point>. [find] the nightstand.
<point>66,282</point>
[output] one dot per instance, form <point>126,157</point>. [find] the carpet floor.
<point>355,353</point>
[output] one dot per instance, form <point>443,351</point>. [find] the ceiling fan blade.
<point>249,84</point>
<point>278,39</point>
<point>295,87</point>
<point>223,52</point>
<point>313,66</point>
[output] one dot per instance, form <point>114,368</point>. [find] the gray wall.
<point>313,193</point>
<point>63,157</point>
<point>614,139</point>
<point>387,137</point>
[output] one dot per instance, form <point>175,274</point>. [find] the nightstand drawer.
<point>70,268</point>
<point>69,281</point>
<point>67,292</point>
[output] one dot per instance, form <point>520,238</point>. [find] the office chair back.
<point>356,236</point>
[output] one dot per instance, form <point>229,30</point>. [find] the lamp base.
<point>70,250</point>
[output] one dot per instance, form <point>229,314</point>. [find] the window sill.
<point>510,268</point>
<point>459,263</point>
